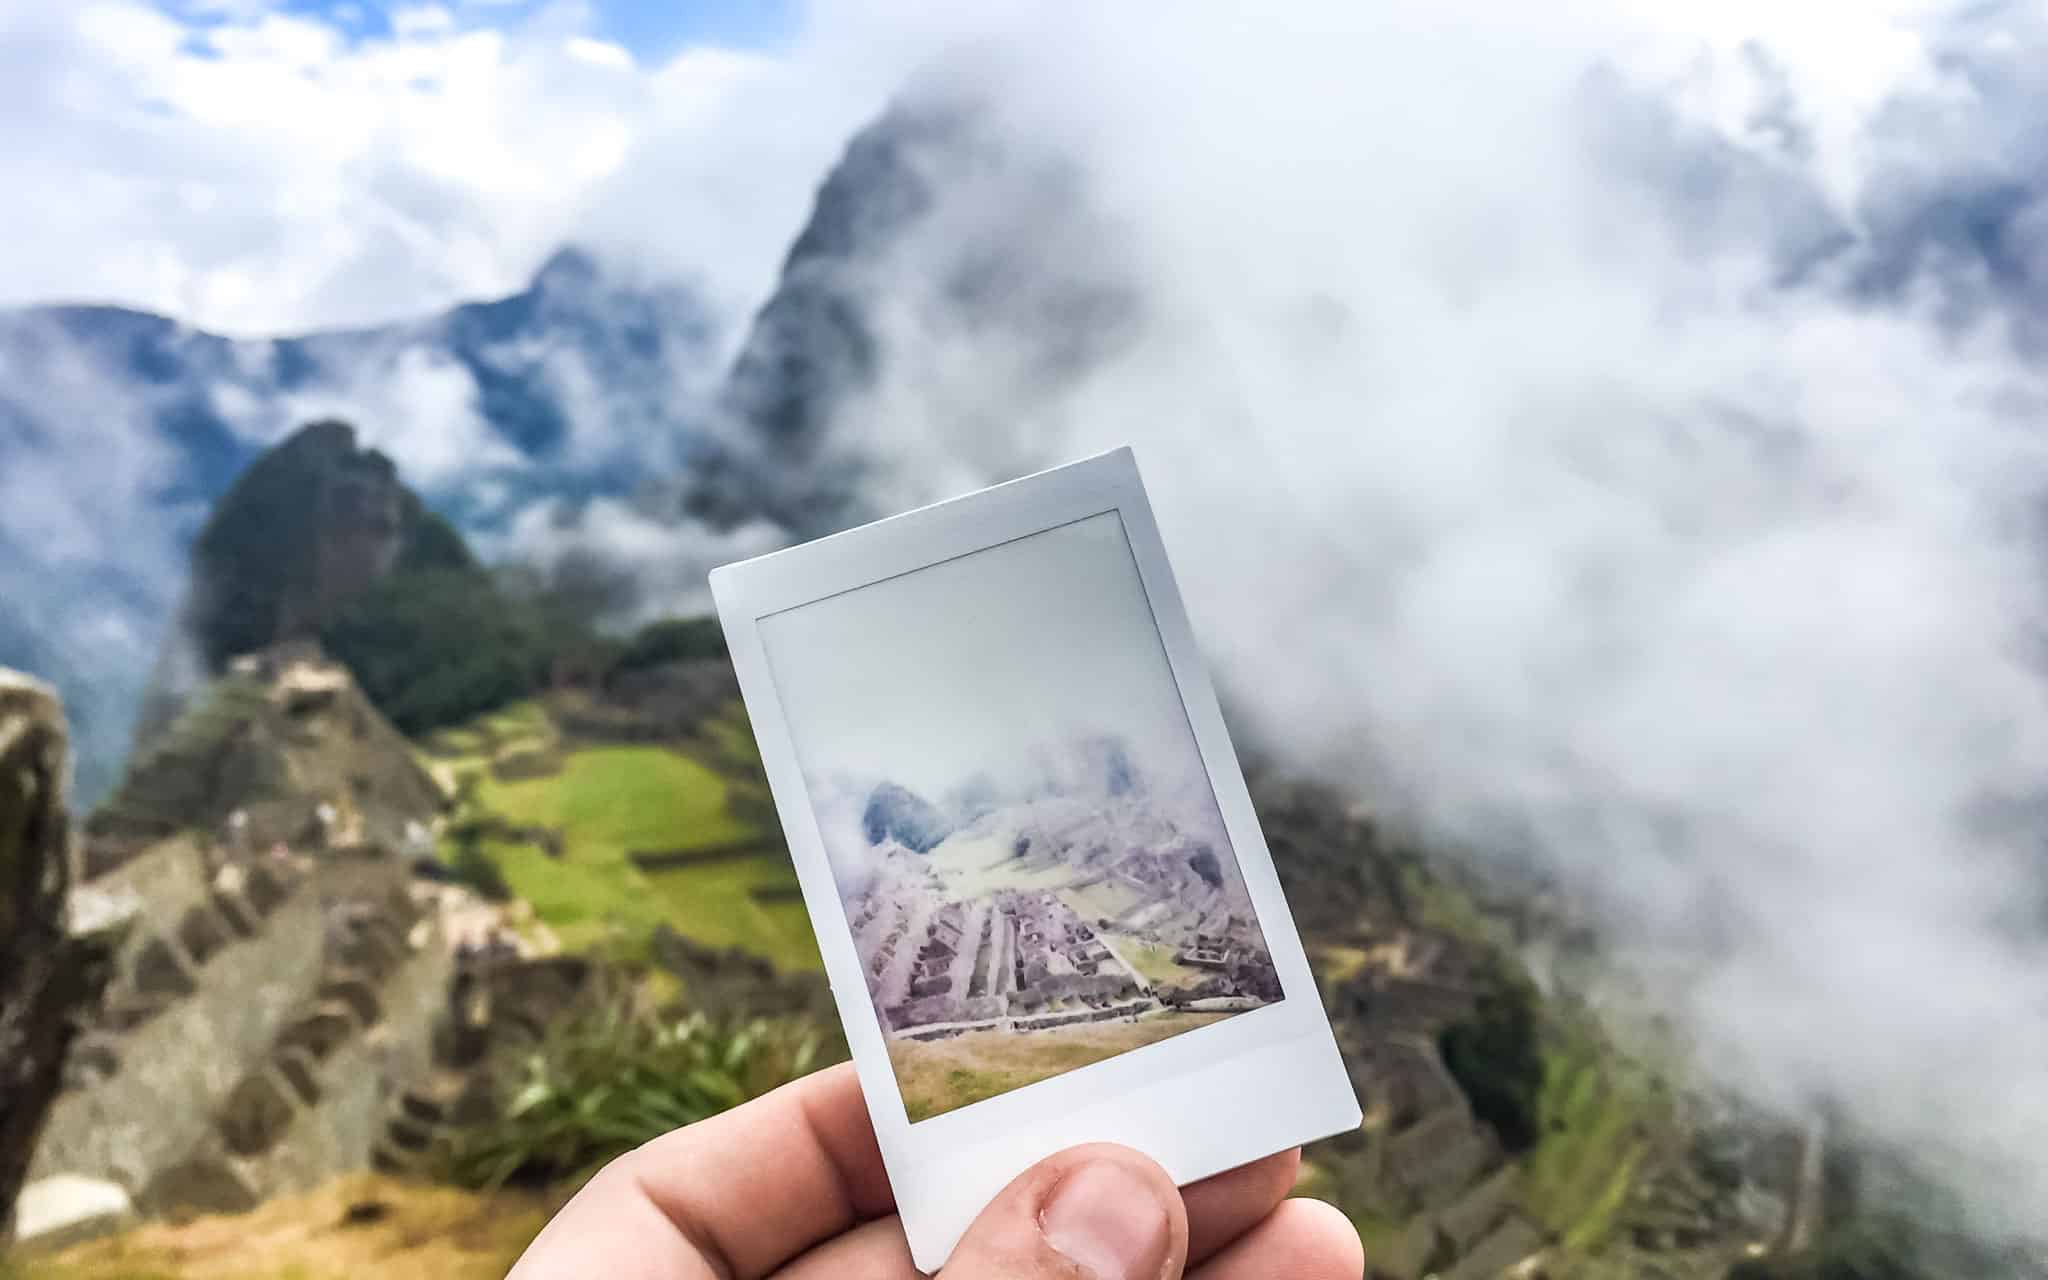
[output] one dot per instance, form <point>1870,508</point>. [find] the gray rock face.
<point>50,978</point>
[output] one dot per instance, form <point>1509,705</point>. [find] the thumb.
<point>1093,1213</point>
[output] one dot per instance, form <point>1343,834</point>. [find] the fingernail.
<point>1110,1221</point>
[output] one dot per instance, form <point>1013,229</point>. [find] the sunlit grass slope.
<point>608,802</point>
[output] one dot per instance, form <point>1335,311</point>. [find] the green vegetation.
<point>1443,906</point>
<point>1493,1056</point>
<point>436,646</point>
<point>611,799</point>
<point>671,640</point>
<point>1596,1116</point>
<point>603,1085</point>
<point>295,549</point>
<point>728,741</point>
<point>474,867</point>
<point>606,803</point>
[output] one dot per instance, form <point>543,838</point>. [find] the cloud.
<point>89,567</point>
<point>668,561</point>
<point>598,53</point>
<point>1610,437</point>
<point>418,406</point>
<point>262,171</point>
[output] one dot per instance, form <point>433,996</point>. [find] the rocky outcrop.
<point>282,748</point>
<point>50,975</point>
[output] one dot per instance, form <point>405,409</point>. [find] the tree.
<point>1494,1057</point>
<point>672,640</point>
<point>437,646</point>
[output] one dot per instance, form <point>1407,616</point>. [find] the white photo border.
<point>1199,1102</point>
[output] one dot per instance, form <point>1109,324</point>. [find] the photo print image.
<point>1023,836</point>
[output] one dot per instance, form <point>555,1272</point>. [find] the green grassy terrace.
<point>609,801</point>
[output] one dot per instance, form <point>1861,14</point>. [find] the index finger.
<point>736,1195</point>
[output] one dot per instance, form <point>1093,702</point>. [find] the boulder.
<point>55,1212</point>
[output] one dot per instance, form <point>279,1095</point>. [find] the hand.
<point>791,1186</point>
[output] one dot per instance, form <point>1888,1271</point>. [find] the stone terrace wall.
<point>318,1101</point>
<point>182,1027</point>
<point>267,1017</point>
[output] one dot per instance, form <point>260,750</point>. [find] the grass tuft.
<point>602,1085</point>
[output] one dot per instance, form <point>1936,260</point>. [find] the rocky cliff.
<point>884,268</point>
<point>50,976</point>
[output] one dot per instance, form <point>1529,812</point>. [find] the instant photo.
<point>1040,892</point>
<point>1023,835</point>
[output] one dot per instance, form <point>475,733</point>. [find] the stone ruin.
<point>1421,1157</point>
<point>1027,960</point>
<point>266,1011</point>
<point>288,1002</point>
<point>281,748</point>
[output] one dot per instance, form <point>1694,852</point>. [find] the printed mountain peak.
<point>896,813</point>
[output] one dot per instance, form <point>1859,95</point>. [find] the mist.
<point>1608,448</point>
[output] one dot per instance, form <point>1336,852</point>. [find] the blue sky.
<point>652,29</point>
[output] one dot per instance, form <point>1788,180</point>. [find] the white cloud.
<point>599,53</point>
<point>268,173</point>
<point>1498,485</point>
<point>416,405</point>
<point>668,562</point>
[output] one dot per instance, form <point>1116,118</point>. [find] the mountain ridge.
<point>578,385</point>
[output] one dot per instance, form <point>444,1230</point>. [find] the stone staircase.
<point>314,1105</point>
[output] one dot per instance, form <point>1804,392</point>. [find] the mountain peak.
<point>309,527</point>
<point>569,268</point>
